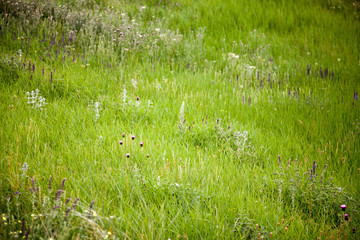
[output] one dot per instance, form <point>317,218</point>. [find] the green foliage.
<point>211,91</point>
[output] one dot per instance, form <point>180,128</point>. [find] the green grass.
<point>215,175</point>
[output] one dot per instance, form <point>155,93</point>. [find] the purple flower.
<point>133,137</point>
<point>75,203</point>
<point>137,98</point>
<point>62,184</point>
<point>346,217</point>
<point>118,30</point>
<point>325,167</point>
<point>90,208</point>
<point>279,159</point>
<point>123,135</point>
<point>147,155</point>
<point>34,67</point>
<point>56,207</point>
<point>121,142</point>
<point>353,230</point>
<point>17,193</point>
<point>23,226</point>
<point>58,194</point>
<point>128,27</point>
<point>343,207</point>
<point>313,169</point>
<point>50,182</point>
<point>141,144</point>
<point>114,40</point>
<point>128,155</point>
<point>67,200</point>
<point>121,33</point>
<point>67,213</point>
<point>321,73</point>
<point>27,233</point>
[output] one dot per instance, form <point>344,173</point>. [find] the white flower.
<point>233,56</point>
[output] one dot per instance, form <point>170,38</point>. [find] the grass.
<point>248,112</point>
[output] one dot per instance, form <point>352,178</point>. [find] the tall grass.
<point>247,113</point>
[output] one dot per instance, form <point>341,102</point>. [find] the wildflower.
<point>24,168</point>
<point>314,165</point>
<point>67,200</point>
<point>147,155</point>
<point>141,144</point>
<point>343,207</point>
<point>62,184</point>
<point>346,217</point>
<point>114,40</point>
<point>58,194</point>
<point>271,234</point>
<point>133,137</point>
<point>137,98</point>
<point>353,230</point>
<point>123,135</point>
<point>121,142</point>
<point>279,159</point>
<point>56,207</point>
<point>128,155</point>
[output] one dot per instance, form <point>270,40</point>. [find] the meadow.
<point>179,119</point>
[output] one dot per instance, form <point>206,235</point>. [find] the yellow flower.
<point>4,218</point>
